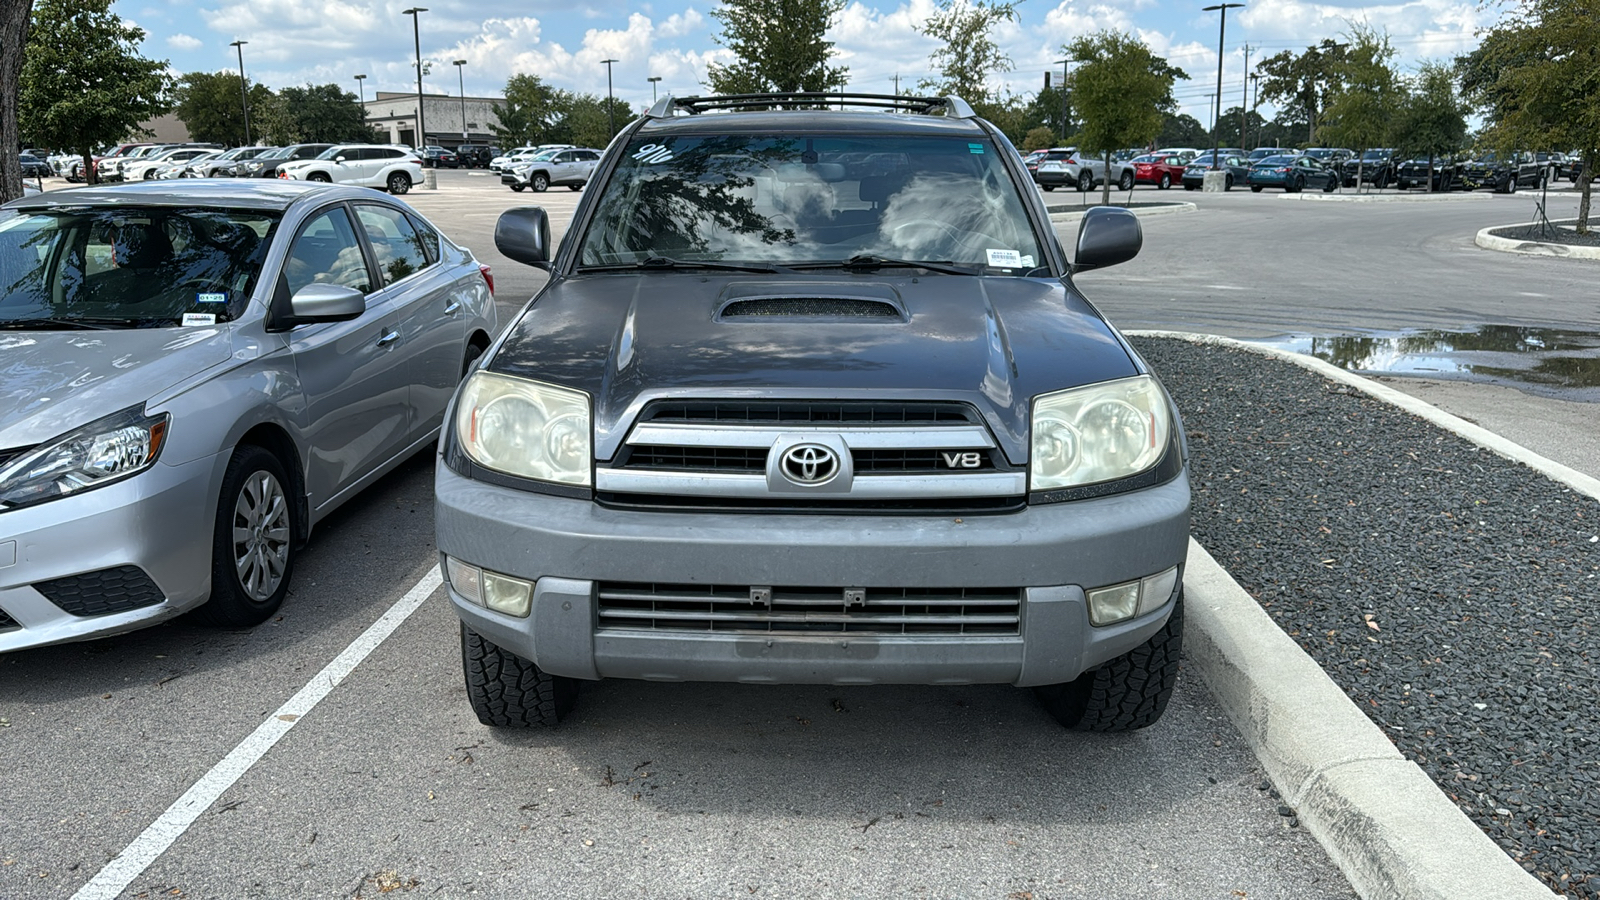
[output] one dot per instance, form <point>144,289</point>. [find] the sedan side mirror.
<point>1107,236</point>
<point>523,234</point>
<point>322,302</point>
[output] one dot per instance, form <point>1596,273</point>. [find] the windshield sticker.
<point>653,154</point>
<point>1027,261</point>
<point>211,298</point>
<point>975,148</point>
<point>1005,259</point>
<point>191,320</point>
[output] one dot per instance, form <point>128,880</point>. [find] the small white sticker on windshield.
<point>211,298</point>
<point>193,319</point>
<point>1027,262</point>
<point>1005,259</point>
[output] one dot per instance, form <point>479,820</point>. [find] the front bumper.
<point>158,521</point>
<point>1052,552</point>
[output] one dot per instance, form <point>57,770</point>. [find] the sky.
<point>295,42</point>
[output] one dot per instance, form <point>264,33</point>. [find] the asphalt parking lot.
<point>389,784</point>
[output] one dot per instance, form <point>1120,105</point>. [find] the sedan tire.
<point>1255,188</point>
<point>253,548</point>
<point>1165,182</point>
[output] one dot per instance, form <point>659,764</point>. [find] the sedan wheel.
<point>1256,188</point>
<point>1228,185</point>
<point>1166,181</point>
<point>253,548</point>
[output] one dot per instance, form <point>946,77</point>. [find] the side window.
<point>400,250</point>
<point>588,156</point>
<point>430,238</point>
<point>327,252</point>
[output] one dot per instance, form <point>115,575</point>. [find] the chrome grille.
<point>809,413</point>
<point>809,610</point>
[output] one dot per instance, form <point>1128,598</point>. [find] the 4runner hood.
<point>992,342</point>
<point>54,381</point>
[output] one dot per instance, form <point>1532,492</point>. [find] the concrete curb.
<point>1531,248</point>
<point>1176,207</point>
<point>1483,437</point>
<point>1387,198</point>
<point>1380,818</point>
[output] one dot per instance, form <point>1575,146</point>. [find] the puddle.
<point>1550,362</point>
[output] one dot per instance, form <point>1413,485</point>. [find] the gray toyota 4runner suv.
<point>811,397</point>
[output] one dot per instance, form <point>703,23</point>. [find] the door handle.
<point>388,338</point>
<point>453,308</point>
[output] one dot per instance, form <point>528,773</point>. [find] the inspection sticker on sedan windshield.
<point>1005,259</point>
<point>211,298</point>
<point>191,319</point>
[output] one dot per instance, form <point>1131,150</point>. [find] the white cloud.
<point>184,42</point>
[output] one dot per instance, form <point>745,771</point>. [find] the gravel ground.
<point>1451,593</point>
<point>1560,234</point>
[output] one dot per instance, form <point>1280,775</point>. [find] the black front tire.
<point>1127,693</point>
<point>1125,183</point>
<point>1228,184</point>
<point>1297,185</point>
<point>540,182</point>
<point>519,188</point>
<point>1048,187</point>
<point>231,604</point>
<point>575,187</point>
<point>318,177</point>
<point>1256,188</point>
<point>506,690</point>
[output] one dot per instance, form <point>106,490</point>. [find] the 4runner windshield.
<point>128,266</point>
<point>754,200</point>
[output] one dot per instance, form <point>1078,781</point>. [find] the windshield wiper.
<point>867,262</point>
<point>86,324</point>
<point>666,262</point>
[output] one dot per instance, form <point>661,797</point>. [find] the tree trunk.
<point>1585,188</point>
<point>15,17</point>
<point>1430,172</point>
<point>1105,186</point>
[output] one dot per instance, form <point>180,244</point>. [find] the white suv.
<point>571,168</point>
<point>392,168</point>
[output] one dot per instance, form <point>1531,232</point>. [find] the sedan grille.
<point>103,592</point>
<point>809,610</point>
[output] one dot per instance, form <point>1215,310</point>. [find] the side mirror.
<point>1107,236</point>
<point>319,302</point>
<point>338,159</point>
<point>523,234</point>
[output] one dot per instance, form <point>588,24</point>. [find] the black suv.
<point>476,156</point>
<point>1502,174</point>
<point>1374,167</point>
<point>811,397</point>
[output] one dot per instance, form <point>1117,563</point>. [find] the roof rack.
<point>954,107</point>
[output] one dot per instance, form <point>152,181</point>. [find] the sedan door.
<point>353,374</point>
<point>429,304</point>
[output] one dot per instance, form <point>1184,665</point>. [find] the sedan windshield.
<point>751,199</point>
<point>128,266</point>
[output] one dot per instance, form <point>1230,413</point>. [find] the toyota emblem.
<point>810,464</point>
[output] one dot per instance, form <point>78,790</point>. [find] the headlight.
<point>525,428</point>
<point>1097,433</point>
<point>107,450</point>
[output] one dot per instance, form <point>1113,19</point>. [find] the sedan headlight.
<point>104,451</point>
<point>1097,433</point>
<point>525,428</point>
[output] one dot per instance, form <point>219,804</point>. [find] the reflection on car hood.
<point>54,381</point>
<point>993,342</point>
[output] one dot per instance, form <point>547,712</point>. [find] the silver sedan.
<point>192,378</point>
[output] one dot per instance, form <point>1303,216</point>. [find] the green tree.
<point>1183,130</point>
<point>967,55</point>
<point>531,114</point>
<point>778,45</point>
<point>1038,138</point>
<point>584,120</point>
<point>1537,77</point>
<point>1359,112</point>
<point>15,17</point>
<point>209,104</point>
<point>1228,129</point>
<point>1122,93</point>
<point>316,113</point>
<point>84,84</point>
<point>1432,119</point>
<point>1300,83</point>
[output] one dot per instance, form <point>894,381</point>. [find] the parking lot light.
<point>1222,32</point>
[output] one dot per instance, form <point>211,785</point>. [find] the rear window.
<point>129,266</point>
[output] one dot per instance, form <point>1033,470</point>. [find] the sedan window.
<point>327,252</point>
<point>400,250</point>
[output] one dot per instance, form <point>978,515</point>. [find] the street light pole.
<point>461,82</point>
<point>361,85</point>
<point>1216,117</point>
<point>244,91</point>
<point>653,79</point>
<point>611,116</point>
<point>416,38</point>
<point>1064,98</point>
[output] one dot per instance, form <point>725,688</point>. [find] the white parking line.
<point>110,881</point>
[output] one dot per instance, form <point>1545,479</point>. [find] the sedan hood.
<point>54,381</point>
<point>994,342</point>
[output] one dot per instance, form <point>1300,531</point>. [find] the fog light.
<point>511,596</point>
<point>464,579</point>
<point>1109,605</point>
<point>1156,590</point>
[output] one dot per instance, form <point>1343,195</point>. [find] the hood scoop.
<point>819,302</point>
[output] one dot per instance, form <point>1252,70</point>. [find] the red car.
<point>1159,169</point>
